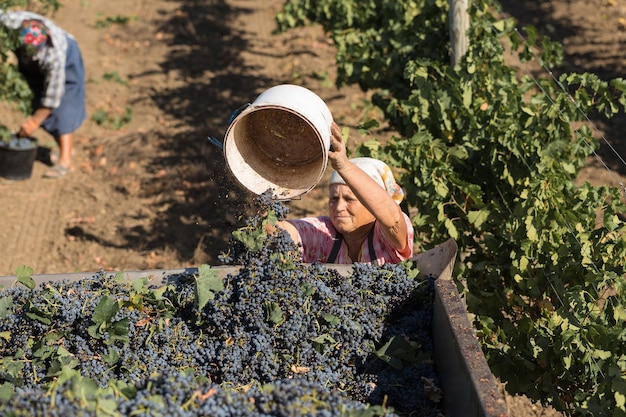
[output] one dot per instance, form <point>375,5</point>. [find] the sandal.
<point>57,171</point>
<point>54,156</point>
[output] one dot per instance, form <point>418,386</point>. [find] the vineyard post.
<point>459,23</point>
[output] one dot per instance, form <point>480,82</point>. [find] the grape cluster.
<point>18,143</point>
<point>282,338</point>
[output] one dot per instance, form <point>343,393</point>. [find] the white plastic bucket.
<point>280,141</point>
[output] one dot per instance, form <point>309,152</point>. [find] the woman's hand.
<point>337,153</point>
<point>28,128</point>
<point>33,122</point>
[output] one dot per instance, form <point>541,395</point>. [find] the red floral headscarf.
<point>33,34</point>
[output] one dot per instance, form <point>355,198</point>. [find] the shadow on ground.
<point>199,203</point>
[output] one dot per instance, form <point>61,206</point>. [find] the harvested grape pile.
<point>278,338</point>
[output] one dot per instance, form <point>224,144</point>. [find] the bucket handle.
<point>215,141</point>
<point>237,112</point>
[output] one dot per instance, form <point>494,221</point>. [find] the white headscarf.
<point>379,172</point>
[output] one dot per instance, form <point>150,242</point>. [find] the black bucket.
<point>16,161</point>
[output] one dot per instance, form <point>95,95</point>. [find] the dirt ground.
<point>153,193</point>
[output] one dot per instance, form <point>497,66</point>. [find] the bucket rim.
<point>6,143</point>
<point>281,193</point>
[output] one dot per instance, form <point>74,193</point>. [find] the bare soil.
<point>153,193</point>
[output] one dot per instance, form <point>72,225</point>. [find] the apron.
<point>337,245</point>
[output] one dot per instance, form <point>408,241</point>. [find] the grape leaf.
<point>6,306</point>
<point>208,282</point>
<point>23,274</point>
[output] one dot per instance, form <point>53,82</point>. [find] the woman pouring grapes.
<point>364,223</point>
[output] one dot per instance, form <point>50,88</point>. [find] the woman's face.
<point>346,212</point>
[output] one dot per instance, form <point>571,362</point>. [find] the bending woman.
<point>51,62</point>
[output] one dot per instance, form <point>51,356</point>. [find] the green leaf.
<point>324,339</point>
<point>273,312</point>
<point>441,188</point>
<point>119,277</point>
<point>118,331</point>
<point>13,368</point>
<point>601,354</point>
<point>102,316</point>
<point>523,264</point>
<point>620,400</point>
<point>85,389</point>
<point>58,363</point>
<point>6,391</point>
<point>468,96</point>
<point>322,342</point>
<point>399,352</point>
<point>61,351</point>
<point>567,361</point>
<point>105,406</point>
<point>451,228</point>
<point>569,168</point>
<point>531,232</point>
<point>6,306</point>
<point>253,239</point>
<point>208,282</point>
<point>499,25</point>
<point>35,313</point>
<point>112,357</point>
<point>331,319</point>
<point>159,293</point>
<point>477,217</point>
<point>140,285</point>
<point>105,310</point>
<point>619,313</point>
<point>24,276</point>
<point>370,124</point>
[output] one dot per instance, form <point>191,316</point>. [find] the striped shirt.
<point>49,58</point>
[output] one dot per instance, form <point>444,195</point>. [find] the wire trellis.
<point>618,181</point>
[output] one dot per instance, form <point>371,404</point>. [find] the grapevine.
<point>489,156</point>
